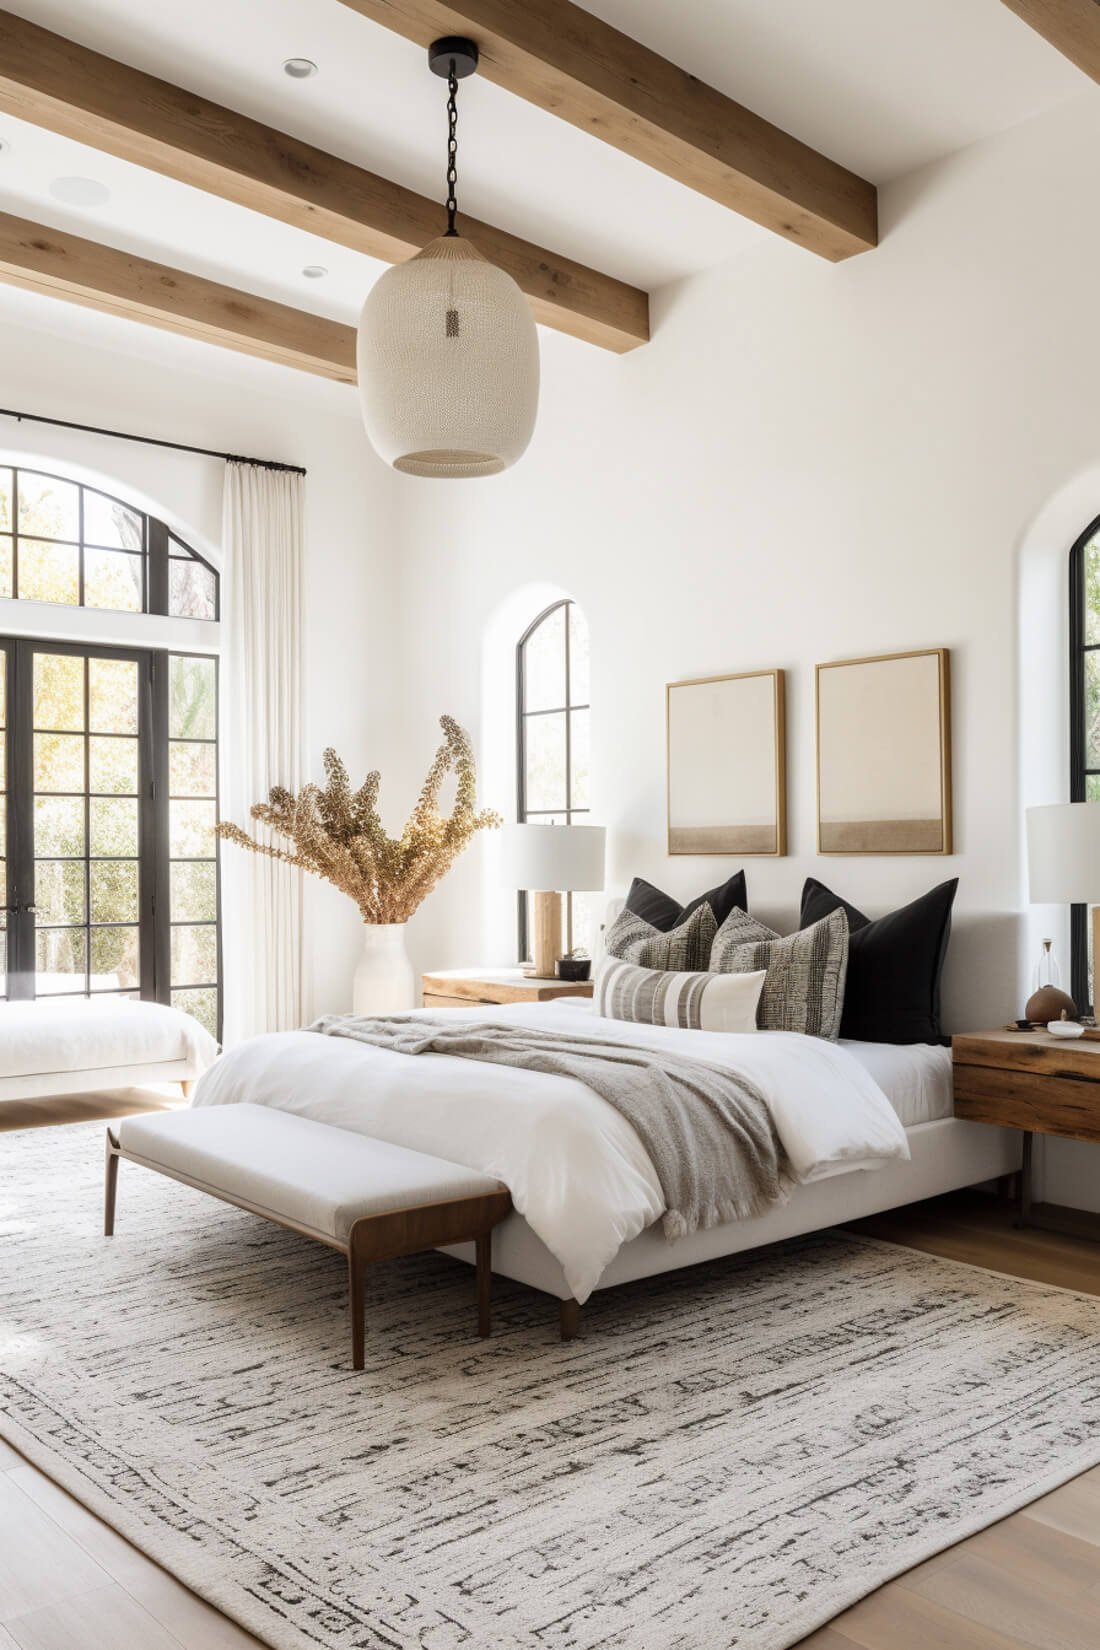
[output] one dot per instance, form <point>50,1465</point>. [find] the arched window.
<point>552,745</point>
<point>109,856</point>
<point>1084,707</point>
<point>63,542</point>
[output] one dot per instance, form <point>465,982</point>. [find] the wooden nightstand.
<point>1031,1081</point>
<point>465,987</point>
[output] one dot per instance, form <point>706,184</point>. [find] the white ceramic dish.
<point>1065,1028</point>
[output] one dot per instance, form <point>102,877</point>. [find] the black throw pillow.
<point>664,912</point>
<point>892,993</point>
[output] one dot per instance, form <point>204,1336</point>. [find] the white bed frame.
<point>47,1085</point>
<point>946,1155</point>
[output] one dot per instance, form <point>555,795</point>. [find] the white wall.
<point>807,463</point>
<point>155,384</point>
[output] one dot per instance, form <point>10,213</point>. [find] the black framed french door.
<point>82,848</point>
<point>111,792</point>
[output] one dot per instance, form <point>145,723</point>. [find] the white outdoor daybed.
<point>77,1044</point>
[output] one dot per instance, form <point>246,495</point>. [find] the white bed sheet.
<point>576,1169</point>
<point>914,1077</point>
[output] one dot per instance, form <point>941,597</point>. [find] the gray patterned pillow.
<point>804,988</point>
<point>683,950</point>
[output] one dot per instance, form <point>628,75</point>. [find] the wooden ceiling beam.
<point>1071,26</point>
<point>100,277</point>
<point>56,83</point>
<point>570,63</point>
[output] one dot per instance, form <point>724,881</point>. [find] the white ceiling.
<point>881,85</point>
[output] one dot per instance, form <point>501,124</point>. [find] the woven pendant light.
<point>448,353</point>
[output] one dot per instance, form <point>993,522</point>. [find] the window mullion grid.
<point>157,564</point>
<point>1079,648</point>
<point>521,785</point>
<point>87,797</point>
<point>155,848</point>
<point>568,763</point>
<point>220,997</point>
<point>80,549</point>
<point>14,541</point>
<point>20,845</point>
<point>5,889</point>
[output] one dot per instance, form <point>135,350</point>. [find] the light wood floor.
<point>1031,1582</point>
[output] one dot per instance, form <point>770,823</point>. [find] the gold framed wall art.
<point>884,754</point>
<point>727,782</point>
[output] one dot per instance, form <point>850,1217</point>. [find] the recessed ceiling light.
<point>313,272</point>
<point>300,68</point>
<point>80,191</point>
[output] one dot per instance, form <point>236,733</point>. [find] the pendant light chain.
<point>452,150</point>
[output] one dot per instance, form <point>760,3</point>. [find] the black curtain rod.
<point>152,441</point>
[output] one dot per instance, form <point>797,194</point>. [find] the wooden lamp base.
<point>545,934</point>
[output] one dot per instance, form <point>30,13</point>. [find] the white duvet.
<point>575,1168</point>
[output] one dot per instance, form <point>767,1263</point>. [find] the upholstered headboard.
<point>985,966</point>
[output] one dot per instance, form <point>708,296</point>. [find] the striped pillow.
<point>804,988</point>
<point>695,1002</point>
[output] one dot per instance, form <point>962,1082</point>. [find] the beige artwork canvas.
<point>884,755</point>
<point>726,765</point>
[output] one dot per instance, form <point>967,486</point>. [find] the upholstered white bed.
<point>946,1154</point>
<point>75,1045</point>
<point>867,1127</point>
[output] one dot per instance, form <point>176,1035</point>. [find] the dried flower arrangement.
<point>337,832</point>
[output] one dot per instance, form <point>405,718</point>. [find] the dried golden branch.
<point>337,833</point>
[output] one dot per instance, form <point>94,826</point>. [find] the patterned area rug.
<point>726,1457</point>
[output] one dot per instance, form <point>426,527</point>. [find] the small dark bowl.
<point>574,968</point>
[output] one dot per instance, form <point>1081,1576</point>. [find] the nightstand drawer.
<point>1055,1100</point>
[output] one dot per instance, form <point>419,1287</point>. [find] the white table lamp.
<point>1063,859</point>
<point>547,861</point>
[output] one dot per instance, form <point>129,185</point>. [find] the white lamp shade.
<point>448,360</point>
<point>1063,853</point>
<point>553,858</point>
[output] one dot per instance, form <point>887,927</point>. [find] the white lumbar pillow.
<point>695,1002</point>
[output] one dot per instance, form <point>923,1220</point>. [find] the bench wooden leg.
<point>484,1250</point>
<point>110,1186</point>
<point>356,1303</point>
<point>187,1086</point>
<point>570,1316</point>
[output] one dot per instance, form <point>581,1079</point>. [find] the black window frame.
<point>524,815</point>
<point>1079,771</point>
<point>154,858</point>
<point>156,553</point>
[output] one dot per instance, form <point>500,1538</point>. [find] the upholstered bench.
<point>365,1197</point>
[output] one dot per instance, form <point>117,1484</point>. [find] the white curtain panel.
<point>262,537</point>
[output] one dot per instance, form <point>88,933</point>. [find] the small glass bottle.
<point>1047,971</point>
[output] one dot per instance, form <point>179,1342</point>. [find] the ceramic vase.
<point>384,982</point>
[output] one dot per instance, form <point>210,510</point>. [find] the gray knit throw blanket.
<point>708,1132</point>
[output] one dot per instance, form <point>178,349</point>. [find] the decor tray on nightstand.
<point>466,987</point>
<point>1034,1082</point>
